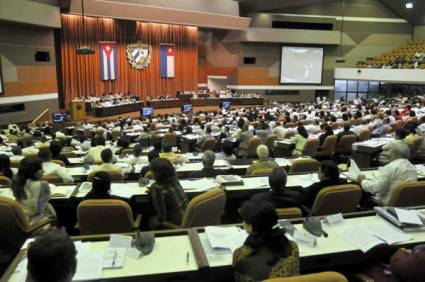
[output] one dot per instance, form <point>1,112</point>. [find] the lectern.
<point>78,110</point>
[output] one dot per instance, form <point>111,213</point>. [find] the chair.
<point>203,210</point>
<point>364,135</point>
<point>328,148</point>
<point>271,138</point>
<point>251,151</point>
<point>5,181</point>
<point>310,148</point>
<point>337,199</point>
<point>116,176</point>
<point>128,151</point>
<point>208,144</point>
<point>15,163</point>
<point>408,195</point>
<point>261,171</point>
<point>328,276</point>
<point>52,178</point>
<point>170,139</point>
<point>344,146</point>
<point>115,134</point>
<point>306,166</point>
<point>105,217</point>
<point>14,227</point>
<point>59,162</point>
<point>414,148</point>
<point>288,213</point>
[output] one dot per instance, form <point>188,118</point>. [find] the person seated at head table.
<point>400,135</point>
<point>97,146</point>
<point>263,160</point>
<point>171,156</point>
<point>267,252</point>
<point>101,187</point>
<point>278,195</point>
<point>107,165</point>
<point>166,194</point>
<point>5,169</point>
<point>52,257</point>
<point>399,170</point>
<point>227,154</point>
<point>32,193</point>
<point>299,139</point>
<point>328,176</point>
<point>208,159</point>
<point>51,168</point>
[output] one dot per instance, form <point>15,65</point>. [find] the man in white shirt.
<point>108,166</point>
<point>398,171</point>
<point>93,155</point>
<point>280,131</point>
<point>51,168</point>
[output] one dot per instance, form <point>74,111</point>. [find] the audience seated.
<point>400,135</point>
<point>5,169</point>
<point>327,132</point>
<point>208,159</point>
<point>299,139</point>
<point>227,154</point>
<point>107,165</point>
<point>101,187</point>
<point>93,154</point>
<point>56,150</point>
<point>51,168</point>
<point>263,161</point>
<point>168,154</point>
<point>345,131</point>
<point>267,252</point>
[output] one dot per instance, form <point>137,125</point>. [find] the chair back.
<point>345,144</point>
<point>128,151</point>
<point>271,138</point>
<point>288,213</point>
<point>205,209</point>
<point>115,134</point>
<point>251,151</point>
<point>170,139</point>
<point>5,181</point>
<point>115,176</point>
<point>304,166</point>
<point>15,163</point>
<point>59,162</point>
<point>328,276</point>
<point>328,148</point>
<point>310,148</point>
<point>208,144</point>
<point>408,195</point>
<point>337,199</point>
<point>104,217</point>
<point>414,147</point>
<point>364,135</point>
<point>13,225</point>
<point>52,178</point>
<point>289,134</point>
<point>261,171</point>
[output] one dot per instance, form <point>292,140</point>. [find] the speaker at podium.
<point>78,110</point>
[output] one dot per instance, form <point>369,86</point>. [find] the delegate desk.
<point>118,109</point>
<point>364,152</point>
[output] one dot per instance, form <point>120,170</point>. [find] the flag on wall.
<point>167,60</point>
<point>108,61</point>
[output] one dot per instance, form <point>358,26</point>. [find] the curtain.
<point>81,73</point>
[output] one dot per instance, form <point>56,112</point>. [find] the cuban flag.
<point>167,60</point>
<point>108,61</point>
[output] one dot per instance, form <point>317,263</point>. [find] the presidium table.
<point>118,109</point>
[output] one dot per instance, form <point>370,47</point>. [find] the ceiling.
<point>415,16</point>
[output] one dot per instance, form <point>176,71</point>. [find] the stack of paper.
<point>304,180</point>
<point>283,162</point>
<point>228,238</point>
<point>421,169</point>
<point>221,163</point>
<point>354,171</point>
<point>84,188</point>
<point>126,190</point>
<point>256,182</point>
<point>61,191</point>
<point>202,184</point>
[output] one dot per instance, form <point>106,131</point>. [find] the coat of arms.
<point>139,55</point>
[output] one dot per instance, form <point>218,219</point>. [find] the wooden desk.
<point>118,109</point>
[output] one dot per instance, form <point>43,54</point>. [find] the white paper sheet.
<point>225,237</point>
<point>89,266</point>
<point>353,171</point>
<point>203,184</point>
<point>408,216</point>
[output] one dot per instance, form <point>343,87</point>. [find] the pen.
<point>114,258</point>
<point>187,258</point>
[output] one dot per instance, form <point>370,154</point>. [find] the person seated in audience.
<point>56,150</point>
<point>137,157</point>
<point>267,252</point>
<point>420,152</point>
<point>5,169</point>
<point>123,143</point>
<point>299,139</point>
<point>208,159</point>
<point>146,171</point>
<point>2,144</point>
<point>344,132</point>
<point>400,135</point>
<point>169,155</point>
<point>263,161</point>
<point>51,168</point>
<point>398,171</point>
<point>280,131</point>
<point>166,194</point>
<point>16,151</point>
<point>328,176</point>
<point>52,257</point>
<point>32,193</point>
<point>43,143</point>
<point>328,131</point>
<point>244,138</point>
<point>101,186</point>
<point>382,128</point>
<point>278,195</point>
<point>107,165</point>
<point>411,126</point>
<point>26,145</point>
<point>227,154</point>
<point>93,154</point>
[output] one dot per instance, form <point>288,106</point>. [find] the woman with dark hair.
<point>166,194</point>
<point>328,176</point>
<point>267,252</point>
<point>5,169</point>
<point>32,193</point>
<point>299,139</point>
<point>101,186</point>
<point>56,149</point>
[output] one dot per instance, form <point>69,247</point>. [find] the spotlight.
<point>409,5</point>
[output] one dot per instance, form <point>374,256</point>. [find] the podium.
<point>78,110</point>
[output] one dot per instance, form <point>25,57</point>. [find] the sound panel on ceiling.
<point>302,25</point>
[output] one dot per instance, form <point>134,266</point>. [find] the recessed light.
<point>409,5</point>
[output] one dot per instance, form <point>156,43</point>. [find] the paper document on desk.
<point>359,237</point>
<point>306,180</point>
<point>353,171</point>
<point>61,191</point>
<point>256,182</point>
<point>221,163</point>
<point>387,232</point>
<point>420,168</point>
<point>203,184</point>
<point>408,217</point>
<point>283,162</point>
<point>114,257</point>
<point>225,237</point>
<point>125,190</point>
<point>89,265</point>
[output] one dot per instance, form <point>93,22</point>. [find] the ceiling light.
<point>409,5</point>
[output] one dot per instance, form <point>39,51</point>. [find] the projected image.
<point>301,65</point>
